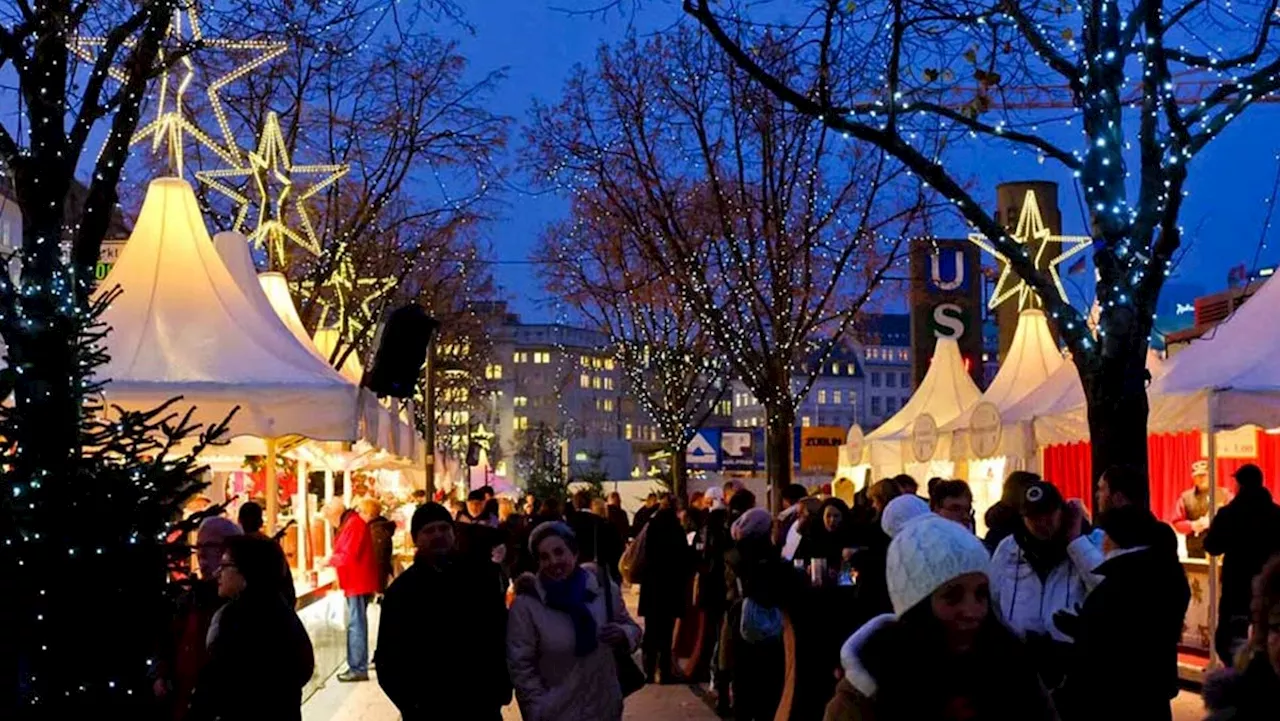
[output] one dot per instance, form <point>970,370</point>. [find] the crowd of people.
<point>889,607</point>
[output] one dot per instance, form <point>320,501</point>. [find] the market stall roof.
<point>946,391</point>
<point>326,340</point>
<point>183,327</point>
<point>1033,357</point>
<point>1058,409</point>
<point>1231,371</point>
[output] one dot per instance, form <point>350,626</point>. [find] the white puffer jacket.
<point>1028,604</point>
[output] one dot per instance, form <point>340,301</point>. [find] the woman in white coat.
<point>560,640</point>
<point>1044,569</point>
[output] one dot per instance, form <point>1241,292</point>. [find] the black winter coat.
<point>1249,695</point>
<point>383,531</point>
<point>442,650</point>
<point>1127,637</point>
<point>598,540</point>
<point>259,660</point>
<point>1246,532</point>
<point>668,565</point>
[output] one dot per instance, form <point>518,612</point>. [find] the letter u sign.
<point>935,270</point>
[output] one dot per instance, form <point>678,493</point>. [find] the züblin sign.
<point>946,300</point>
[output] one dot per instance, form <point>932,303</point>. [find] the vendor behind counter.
<point>1191,516</point>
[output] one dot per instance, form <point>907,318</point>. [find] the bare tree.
<point>1150,83</point>
<point>788,240</point>
<point>671,367</point>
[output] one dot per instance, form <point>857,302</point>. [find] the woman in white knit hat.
<point>943,654</point>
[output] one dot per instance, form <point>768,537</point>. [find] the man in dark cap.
<point>442,643</point>
<point>1246,532</point>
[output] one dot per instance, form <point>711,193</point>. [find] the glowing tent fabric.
<point>183,327</point>
<point>1032,359</point>
<point>945,393</point>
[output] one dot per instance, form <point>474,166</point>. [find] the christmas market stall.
<point>974,439</point>
<point>1215,407</point>
<point>908,442</point>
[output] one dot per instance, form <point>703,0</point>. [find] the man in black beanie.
<point>1128,631</point>
<point>444,608</point>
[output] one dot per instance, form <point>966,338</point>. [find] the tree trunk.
<point>778,457</point>
<point>679,471</point>
<point>1116,394</point>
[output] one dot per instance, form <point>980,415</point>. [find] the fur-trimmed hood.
<point>854,670</point>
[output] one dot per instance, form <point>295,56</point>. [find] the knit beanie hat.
<point>901,510</point>
<point>428,513</point>
<point>755,522</point>
<point>927,553</point>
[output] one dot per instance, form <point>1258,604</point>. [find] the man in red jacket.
<point>357,568</point>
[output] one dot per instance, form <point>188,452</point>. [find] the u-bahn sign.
<point>946,301</point>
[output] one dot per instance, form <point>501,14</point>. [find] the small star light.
<point>271,170</point>
<point>1031,230</point>
<point>171,122</point>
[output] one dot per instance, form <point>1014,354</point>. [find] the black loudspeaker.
<point>402,351</point>
<point>473,454</point>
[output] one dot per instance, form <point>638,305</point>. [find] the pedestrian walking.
<point>618,517</point>
<point>259,654</point>
<point>357,566</point>
<point>598,541</point>
<point>644,514</point>
<point>1125,660</point>
<point>382,531</point>
<point>1246,533</point>
<point>1044,567</point>
<point>943,653</point>
<point>664,589</point>
<point>564,632</point>
<point>442,642</point>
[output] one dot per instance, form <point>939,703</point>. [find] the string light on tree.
<point>273,175</point>
<point>1032,235</point>
<point>171,123</point>
<point>347,287</point>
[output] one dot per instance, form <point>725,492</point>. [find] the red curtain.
<point>1067,467</point>
<point>1169,457</point>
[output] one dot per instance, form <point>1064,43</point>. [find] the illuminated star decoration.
<point>346,288</point>
<point>1031,230</point>
<point>171,122</point>
<point>270,169</point>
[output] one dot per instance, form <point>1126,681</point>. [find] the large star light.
<point>1031,231</point>
<point>347,287</point>
<point>171,124</point>
<point>271,177</point>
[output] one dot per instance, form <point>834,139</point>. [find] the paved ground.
<point>366,702</point>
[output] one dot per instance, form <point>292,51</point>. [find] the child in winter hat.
<point>927,553</point>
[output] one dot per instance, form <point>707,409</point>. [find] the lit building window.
<point>584,381</point>
<point>850,368</point>
<point>520,401</point>
<point>804,421</point>
<point>608,364</point>
<point>585,361</point>
<point>500,469</point>
<point>521,423</point>
<point>837,397</point>
<point>608,384</point>
<point>493,372</point>
<point>835,369</point>
<point>608,404</point>
<point>822,397</point>
<point>626,431</point>
<point>541,357</point>
<point>520,357</point>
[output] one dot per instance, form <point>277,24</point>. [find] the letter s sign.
<point>948,321</point>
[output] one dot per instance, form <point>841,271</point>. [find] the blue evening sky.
<point>538,45</point>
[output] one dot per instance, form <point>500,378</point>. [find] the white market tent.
<point>1228,379</point>
<point>945,392</point>
<point>1033,358</point>
<point>182,326</point>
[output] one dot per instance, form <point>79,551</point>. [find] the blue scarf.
<point>571,596</point>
